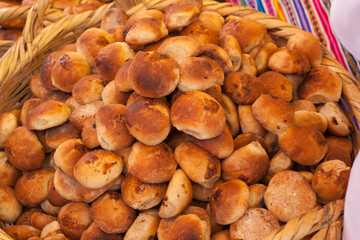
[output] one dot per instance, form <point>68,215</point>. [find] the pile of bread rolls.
<point>174,125</point>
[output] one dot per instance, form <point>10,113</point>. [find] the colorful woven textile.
<point>312,16</point>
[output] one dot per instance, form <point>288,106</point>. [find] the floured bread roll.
<point>289,62</point>
<point>177,16</point>
<point>277,85</point>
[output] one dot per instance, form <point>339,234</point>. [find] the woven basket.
<point>28,53</point>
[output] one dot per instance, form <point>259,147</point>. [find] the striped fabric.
<point>312,16</point>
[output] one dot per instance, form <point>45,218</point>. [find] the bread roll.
<point>295,81</point>
<point>164,228</point>
<point>54,137</point>
<point>27,108</point>
<point>262,58</point>
<point>280,162</point>
<point>151,164</point>
<point>10,208</point>
<point>219,55</point>
<point>89,134</point>
<point>21,232</point>
<point>57,95</point>
<point>199,30</point>
<point>153,74</point>
<point>221,146</point>
<point>110,58</point>
<point>199,73</point>
<point>197,3</point>
<point>140,195</point>
<point>199,165</point>
<point>8,173</point>
<point>181,47</point>
<point>36,86</point>
<point>198,114</point>
<point>215,91</point>
<point>8,123</point>
<point>229,201</point>
<point>248,65</point>
<point>330,180</point>
<point>274,114</point>
<point>48,114</point>
<point>93,232</point>
<point>340,148</point>
<point>248,32</point>
<point>124,154</point>
<point>29,155</point>
<point>53,197</point>
<point>249,164</point>
<point>111,95</point>
<point>212,19</point>
<point>231,114</point>
<point>245,138</point>
<point>148,120</point>
<point>242,88</point>
<point>338,123</point>
<point>254,225</point>
<point>97,168</point>
<point>88,89</point>
<point>25,217</point>
<point>68,154</point>
<point>223,235</point>
<point>277,85</point>
<point>189,226</point>
<point>91,42</point>
<point>117,33</point>
<point>289,195</point>
<point>177,16</point>
<point>40,220</point>
<point>233,49</point>
<point>248,122</point>
<point>308,44</point>
<point>111,214</point>
<point>74,218</point>
<point>72,103</point>
<point>307,175</point>
<point>304,118</point>
<point>32,187</point>
<point>46,68</point>
<point>256,195</point>
<point>321,85</point>
<point>303,145</point>
<point>289,62</point>
<point>144,226</point>
<point>83,113</point>
<point>112,18</point>
<point>303,105</point>
<point>52,231</point>
<point>202,193</point>
<point>178,195</point>
<point>50,209</point>
<point>110,127</point>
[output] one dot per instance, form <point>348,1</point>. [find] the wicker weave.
<point>28,53</point>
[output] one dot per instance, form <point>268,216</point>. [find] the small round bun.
<point>91,42</point>
<point>229,202</point>
<point>199,165</point>
<point>212,20</point>
<point>231,114</point>
<point>111,214</point>
<point>121,78</point>
<point>93,232</point>
<point>88,89</point>
<point>215,91</point>
<point>148,120</point>
<point>21,232</point>
<point>10,208</point>
<point>248,122</point>
<point>27,156</point>
<point>249,164</point>
<point>243,88</point>
<point>25,217</point>
<point>289,195</point>
<point>57,135</point>
<point>330,180</point>
<point>188,226</point>
<point>110,58</point>
<point>308,44</point>
<point>110,127</point>
<point>141,196</point>
<point>274,114</point>
<point>254,225</point>
<point>289,62</point>
<point>26,109</point>
<point>8,123</point>
<point>46,67</point>
<point>262,58</point>
<point>181,47</point>
<point>338,123</point>
<point>40,220</point>
<point>144,227</point>
<point>69,69</point>
<point>248,65</point>
<point>280,162</point>
<point>256,193</point>
<point>153,74</point>
<point>222,235</point>
<point>231,45</point>
<point>199,30</point>
<point>89,133</point>
<point>48,114</point>
<point>340,148</point>
<point>202,193</point>
<point>198,114</point>
<point>113,17</point>
<point>199,73</point>
<point>111,95</point>
<point>97,168</point>
<point>245,138</point>
<point>277,85</point>
<point>248,32</point>
<point>304,118</point>
<point>219,55</point>
<point>321,85</point>
<point>84,112</point>
<point>303,145</point>
<point>177,16</point>
<point>151,164</point>
<point>54,198</point>
<point>74,218</point>
<point>32,187</point>
<point>8,173</point>
<point>302,104</point>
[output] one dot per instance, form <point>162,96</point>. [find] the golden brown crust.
<point>245,138</point>
<point>277,85</point>
<point>40,220</point>
<point>54,197</point>
<point>231,114</point>
<point>340,148</point>
<point>262,58</point>
<point>8,123</point>
<point>289,195</point>
<point>111,95</point>
<point>36,86</point>
<point>25,217</point>
<point>121,78</point>
<point>303,105</point>
<point>148,120</point>
<point>181,47</point>
<point>74,218</point>
<point>144,226</point>
<point>27,156</point>
<point>177,16</point>
<point>93,232</point>
<point>320,86</point>
<point>84,112</point>
<point>248,65</point>
<point>338,123</point>
<point>233,49</point>
<point>243,88</point>
<point>10,208</point>
<point>32,187</point>
<point>199,73</point>
<point>248,32</point>
<point>28,106</point>
<point>248,122</point>
<point>57,135</point>
<point>153,74</point>
<point>212,19</point>
<point>249,164</point>
<point>111,214</point>
<point>215,91</point>
<point>222,235</point>
<point>89,133</point>
<point>289,62</point>
<point>256,195</point>
<point>8,173</point>
<point>198,114</point>
<point>303,145</point>
<point>219,55</point>
<point>201,32</point>
<point>21,232</point>
<point>114,17</point>
<point>88,89</point>
<point>202,193</point>
<point>304,118</point>
<point>188,227</point>
<point>229,202</point>
<point>152,164</point>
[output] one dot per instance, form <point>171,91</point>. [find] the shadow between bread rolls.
<point>174,124</point>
